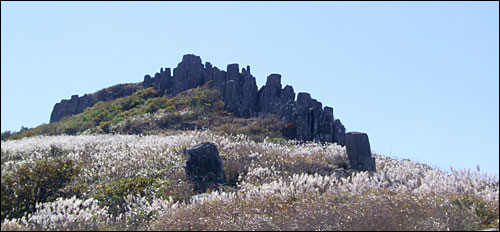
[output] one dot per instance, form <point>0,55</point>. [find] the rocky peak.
<point>274,81</point>
<point>190,59</point>
<point>240,94</point>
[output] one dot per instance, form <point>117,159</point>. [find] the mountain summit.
<point>239,92</point>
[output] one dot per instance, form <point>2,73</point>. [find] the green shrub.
<point>34,182</point>
<point>113,194</point>
<point>487,214</point>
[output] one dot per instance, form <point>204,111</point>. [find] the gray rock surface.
<point>304,116</point>
<point>239,92</point>
<point>339,133</point>
<point>188,74</point>
<point>76,105</point>
<point>358,151</point>
<point>272,99</point>
<point>313,122</point>
<point>204,166</point>
<point>326,125</point>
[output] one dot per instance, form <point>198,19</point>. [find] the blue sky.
<point>420,78</point>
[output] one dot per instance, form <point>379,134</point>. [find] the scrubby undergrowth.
<point>135,182</point>
<point>146,111</point>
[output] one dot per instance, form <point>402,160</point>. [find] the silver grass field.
<point>285,186</point>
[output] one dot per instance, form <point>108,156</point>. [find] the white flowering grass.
<point>287,186</point>
<point>65,214</point>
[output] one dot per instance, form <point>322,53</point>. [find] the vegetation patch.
<point>34,182</point>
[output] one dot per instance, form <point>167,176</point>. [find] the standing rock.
<point>286,101</point>
<point>204,166</point>
<point>358,150</point>
<point>304,117</point>
<point>326,125</point>
<point>268,95</point>
<point>309,116</point>
<point>239,91</point>
<point>148,82</point>
<point>274,100</point>
<point>339,133</point>
<point>188,74</point>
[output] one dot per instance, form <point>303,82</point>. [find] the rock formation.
<point>240,95</point>
<point>204,166</point>
<point>358,150</point>
<point>76,104</point>
<point>72,106</point>
<point>305,117</point>
<point>339,132</point>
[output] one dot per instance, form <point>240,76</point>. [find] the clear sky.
<point>420,78</point>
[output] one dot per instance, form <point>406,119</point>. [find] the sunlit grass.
<point>271,186</point>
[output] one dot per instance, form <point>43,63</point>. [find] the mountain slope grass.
<point>147,112</point>
<point>135,182</point>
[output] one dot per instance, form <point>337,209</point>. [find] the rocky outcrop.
<point>72,106</point>
<point>339,132</point>
<point>313,122</point>
<point>271,99</point>
<point>358,151</point>
<point>76,105</point>
<point>239,93</point>
<point>305,118</point>
<point>161,81</point>
<point>204,166</point>
<point>188,74</point>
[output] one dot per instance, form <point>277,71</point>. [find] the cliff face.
<point>76,104</point>
<point>240,95</point>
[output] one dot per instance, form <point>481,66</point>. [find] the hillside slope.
<point>305,117</point>
<point>128,182</point>
<point>146,111</point>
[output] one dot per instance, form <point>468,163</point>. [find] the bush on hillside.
<point>33,182</point>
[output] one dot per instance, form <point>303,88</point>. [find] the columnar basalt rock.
<point>304,116</point>
<point>268,95</point>
<point>339,132</point>
<point>274,100</point>
<point>188,74</point>
<point>239,93</point>
<point>359,152</point>
<point>204,167</point>
<point>161,81</point>
<point>326,125</point>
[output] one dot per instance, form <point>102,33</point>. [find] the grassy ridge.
<point>147,112</point>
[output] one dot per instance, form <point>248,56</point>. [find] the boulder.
<point>204,166</point>
<point>358,151</point>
